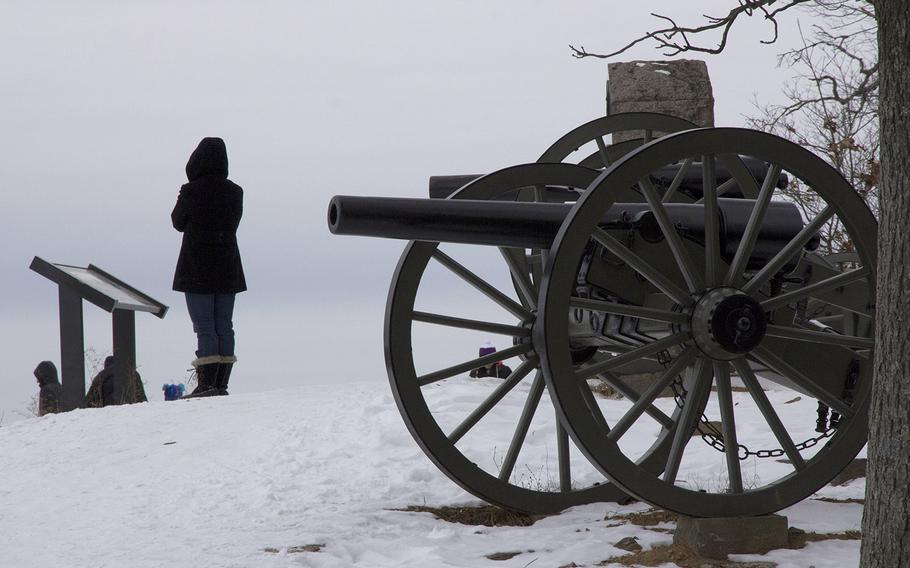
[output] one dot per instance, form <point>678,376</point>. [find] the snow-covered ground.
<point>242,480</point>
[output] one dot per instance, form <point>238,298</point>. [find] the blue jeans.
<point>212,315</point>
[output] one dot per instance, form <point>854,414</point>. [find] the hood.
<point>209,158</point>
<point>46,373</point>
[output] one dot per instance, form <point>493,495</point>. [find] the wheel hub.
<point>727,323</point>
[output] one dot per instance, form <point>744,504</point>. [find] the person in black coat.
<point>209,271</point>
<point>50,394</point>
<point>498,369</point>
<point>101,390</point>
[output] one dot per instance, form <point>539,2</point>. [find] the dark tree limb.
<point>675,39</point>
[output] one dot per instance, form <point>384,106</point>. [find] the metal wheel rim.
<point>596,129</point>
<point>551,339</point>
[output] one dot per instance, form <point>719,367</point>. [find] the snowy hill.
<point>247,480</point>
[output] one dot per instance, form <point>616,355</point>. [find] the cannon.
<point>613,288</point>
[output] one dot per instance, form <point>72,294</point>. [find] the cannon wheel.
<point>652,125</point>
<point>832,368</point>
<point>410,389</point>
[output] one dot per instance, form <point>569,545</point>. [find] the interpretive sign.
<point>109,293</point>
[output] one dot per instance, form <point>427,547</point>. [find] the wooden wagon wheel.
<point>722,313</point>
<point>495,480</point>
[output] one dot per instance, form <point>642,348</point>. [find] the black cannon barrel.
<point>476,222</point>
<point>534,225</point>
<point>443,186</point>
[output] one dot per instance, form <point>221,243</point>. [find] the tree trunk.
<point>886,520</point>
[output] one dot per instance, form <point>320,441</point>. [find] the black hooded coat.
<point>208,213</point>
<point>50,395</point>
<point>101,391</point>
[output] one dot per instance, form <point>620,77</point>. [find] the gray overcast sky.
<point>102,102</point>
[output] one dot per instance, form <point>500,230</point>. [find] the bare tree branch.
<point>675,39</point>
<point>832,107</point>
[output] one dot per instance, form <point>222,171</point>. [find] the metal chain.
<point>714,438</point>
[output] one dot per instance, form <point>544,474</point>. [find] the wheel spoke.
<point>435,376</point>
<point>822,337</point>
<point>544,256</point>
<point>521,277</point>
<point>753,226</point>
<point>602,150</point>
<point>562,449</point>
<point>651,393</point>
<point>778,365</point>
<point>631,394</point>
<point>786,253</point>
<point>521,429</point>
<point>589,371</point>
<point>701,377</point>
<point>767,410</point>
<point>641,266</point>
<point>674,241</point>
<point>712,222</point>
<point>482,285</point>
<point>722,190</point>
<point>477,325</point>
<point>728,425</point>
<point>641,312</point>
<point>741,174</point>
<point>823,286</point>
<point>493,399</point>
<point>677,180</point>
<point>594,409</point>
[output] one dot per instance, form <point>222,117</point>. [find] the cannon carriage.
<point>674,263</point>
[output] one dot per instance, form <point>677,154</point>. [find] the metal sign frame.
<point>75,284</point>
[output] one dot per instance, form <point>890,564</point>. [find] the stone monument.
<point>679,88</point>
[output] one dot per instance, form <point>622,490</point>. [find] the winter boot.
<point>206,374</point>
<point>224,374</point>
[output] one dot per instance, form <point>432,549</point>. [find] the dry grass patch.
<point>486,515</point>
<point>679,555</point>
<point>649,518</point>
<point>683,557</point>
<point>733,388</point>
<point>605,390</point>
<point>295,549</point>
<point>833,500</point>
<point>799,538</point>
<point>503,555</point>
